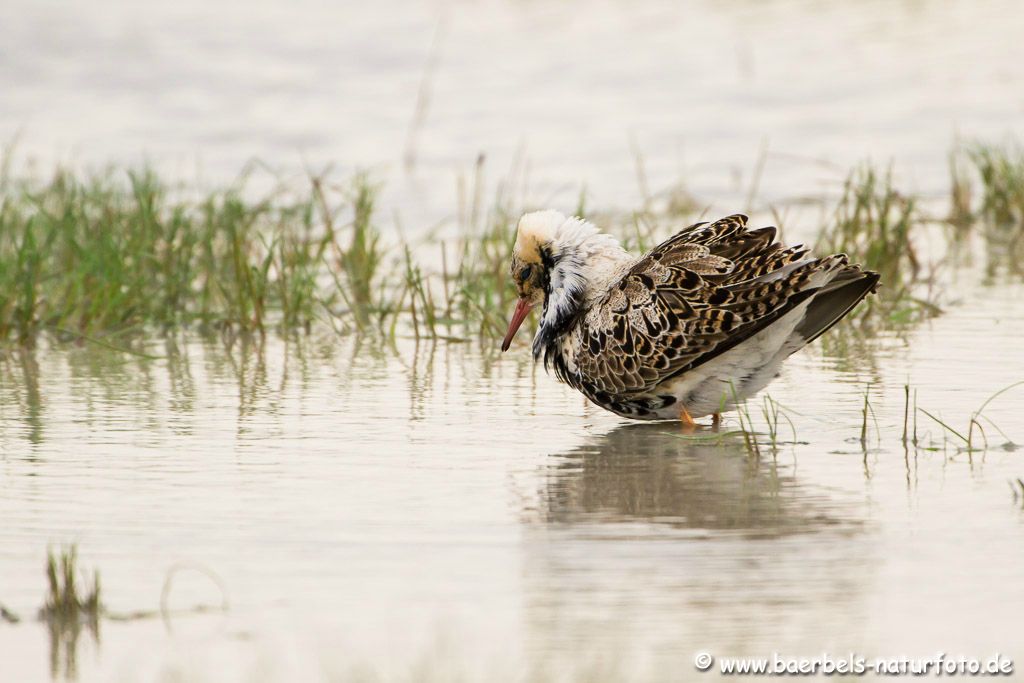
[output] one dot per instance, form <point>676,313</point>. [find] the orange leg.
<point>689,426</point>
<point>716,421</point>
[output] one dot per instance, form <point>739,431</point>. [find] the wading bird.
<point>700,323</point>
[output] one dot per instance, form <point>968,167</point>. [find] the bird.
<point>694,327</point>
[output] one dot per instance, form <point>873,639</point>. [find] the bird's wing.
<point>696,295</point>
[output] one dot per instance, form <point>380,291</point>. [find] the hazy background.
<point>577,88</point>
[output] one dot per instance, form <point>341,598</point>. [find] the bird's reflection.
<point>652,472</point>
<point>645,546</point>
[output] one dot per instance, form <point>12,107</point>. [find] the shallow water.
<point>434,511</point>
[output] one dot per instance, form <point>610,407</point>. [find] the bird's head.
<point>549,267</point>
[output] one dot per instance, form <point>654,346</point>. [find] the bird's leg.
<point>716,421</point>
<point>689,426</point>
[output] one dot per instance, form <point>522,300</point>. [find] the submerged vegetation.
<point>68,609</point>
<point>117,253</point>
<point>63,601</point>
<point>974,437</point>
<point>72,605</point>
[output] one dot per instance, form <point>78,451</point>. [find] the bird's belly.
<point>714,389</point>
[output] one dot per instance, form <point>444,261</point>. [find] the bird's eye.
<point>524,274</point>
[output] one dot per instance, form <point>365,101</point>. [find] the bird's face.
<point>528,277</point>
<point>531,256</point>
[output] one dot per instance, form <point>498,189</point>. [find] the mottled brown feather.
<point>699,292</point>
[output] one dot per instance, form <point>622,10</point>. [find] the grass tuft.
<point>117,252</point>
<point>64,602</point>
<point>875,224</point>
<point>1001,172</point>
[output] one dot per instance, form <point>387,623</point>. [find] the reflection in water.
<point>33,405</point>
<point>181,382</point>
<point>19,390</point>
<point>64,635</point>
<point>1004,252</point>
<point>643,531</point>
<point>155,382</point>
<point>653,473</point>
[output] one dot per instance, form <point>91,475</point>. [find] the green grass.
<point>111,254</point>
<point>961,193</point>
<point>104,256</point>
<point>995,173</point>
<point>1001,174</point>
<point>876,224</point>
<point>118,252</point>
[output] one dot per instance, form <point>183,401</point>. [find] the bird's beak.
<point>518,316</point>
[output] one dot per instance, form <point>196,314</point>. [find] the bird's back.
<point>708,314</point>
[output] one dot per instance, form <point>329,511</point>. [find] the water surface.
<point>426,511</point>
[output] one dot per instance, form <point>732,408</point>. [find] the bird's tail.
<point>835,300</point>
